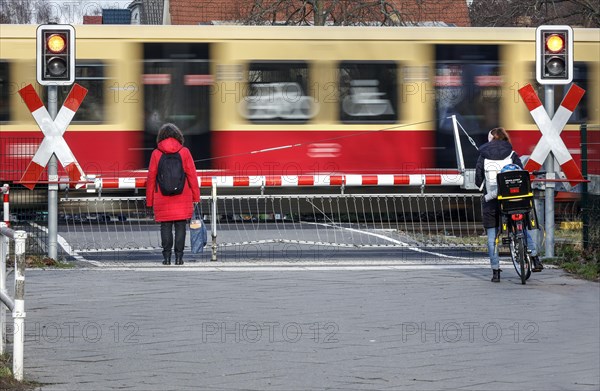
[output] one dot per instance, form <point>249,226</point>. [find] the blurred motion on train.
<point>290,100</point>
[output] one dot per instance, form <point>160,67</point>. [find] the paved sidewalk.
<point>442,328</point>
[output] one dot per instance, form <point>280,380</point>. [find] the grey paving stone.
<point>440,329</point>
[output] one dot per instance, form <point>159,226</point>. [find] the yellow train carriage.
<point>290,100</point>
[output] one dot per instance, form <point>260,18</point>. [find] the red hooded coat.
<point>176,207</point>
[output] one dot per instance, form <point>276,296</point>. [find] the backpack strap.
<point>156,179</point>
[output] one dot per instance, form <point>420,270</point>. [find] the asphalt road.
<point>249,242</point>
<point>222,327</point>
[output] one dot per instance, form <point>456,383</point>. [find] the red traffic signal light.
<point>55,54</point>
<point>554,54</point>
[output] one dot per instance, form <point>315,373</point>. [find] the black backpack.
<point>171,176</point>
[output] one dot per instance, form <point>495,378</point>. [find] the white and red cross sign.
<point>53,130</point>
<point>551,129</point>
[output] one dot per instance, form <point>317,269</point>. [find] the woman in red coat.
<point>172,210</point>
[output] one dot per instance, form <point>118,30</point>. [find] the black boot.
<point>167,257</point>
<point>537,264</point>
<point>178,259</point>
<point>496,275</point>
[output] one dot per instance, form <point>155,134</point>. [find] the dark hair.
<point>500,134</point>
<point>169,130</point>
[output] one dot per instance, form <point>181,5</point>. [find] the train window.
<point>278,92</point>
<point>580,77</point>
<point>90,75</point>
<point>368,92</point>
<point>4,92</point>
<point>177,91</point>
<point>468,84</point>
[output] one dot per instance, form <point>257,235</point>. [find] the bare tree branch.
<point>503,13</point>
<point>322,12</point>
<point>15,12</point>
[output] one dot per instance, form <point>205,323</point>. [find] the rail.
<point>16,304</point>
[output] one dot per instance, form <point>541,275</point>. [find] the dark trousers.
<point>166,237</point>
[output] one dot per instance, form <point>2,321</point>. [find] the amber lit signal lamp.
<point>57,43</point>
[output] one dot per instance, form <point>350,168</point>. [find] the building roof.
<point>92,19</point>
<point>152,11</point>
<point>415,12</point>
<point>116,16</point>
<point>450,12</point>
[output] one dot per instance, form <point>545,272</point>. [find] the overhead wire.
<point>296,145</point>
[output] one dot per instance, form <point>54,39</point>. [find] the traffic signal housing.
<point>55,48</point>
<point>554,54</point>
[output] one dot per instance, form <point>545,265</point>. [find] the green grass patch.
<point>583,264</point>
<point>7,380</point>
<point>43,262</point>
<point>568,235</point>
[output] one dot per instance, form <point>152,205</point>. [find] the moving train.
<point>290,100</point>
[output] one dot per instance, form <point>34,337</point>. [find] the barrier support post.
<point>213,220</point>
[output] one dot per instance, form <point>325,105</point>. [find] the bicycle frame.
<point>515,225</point>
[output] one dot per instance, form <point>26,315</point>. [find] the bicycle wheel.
<point>519,257</point>
<point>522,260</point>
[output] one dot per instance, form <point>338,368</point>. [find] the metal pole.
<point>213,220</point>
<point>19,310</point>
<point>3,257</point>
<point>550,174</point>
<point>538,202</point>
<point>584,188</point>
<point>52,183</point>
<point>460,161</point>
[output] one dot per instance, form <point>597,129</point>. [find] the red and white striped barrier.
<point>551,130</point>
<point>295,181</point>
<point>53,130</point>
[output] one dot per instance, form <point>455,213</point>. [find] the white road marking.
<point>386,238</point>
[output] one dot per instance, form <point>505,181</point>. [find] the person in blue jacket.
<point>498,147</point>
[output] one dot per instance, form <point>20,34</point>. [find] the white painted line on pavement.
<point>386,238</point>
<point>170,269</point>
<point>66,246</point>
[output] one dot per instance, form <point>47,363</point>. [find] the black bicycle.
<point>517,216</point>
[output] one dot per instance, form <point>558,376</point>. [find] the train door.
<point>468,85</point>
<point>176,89</point>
